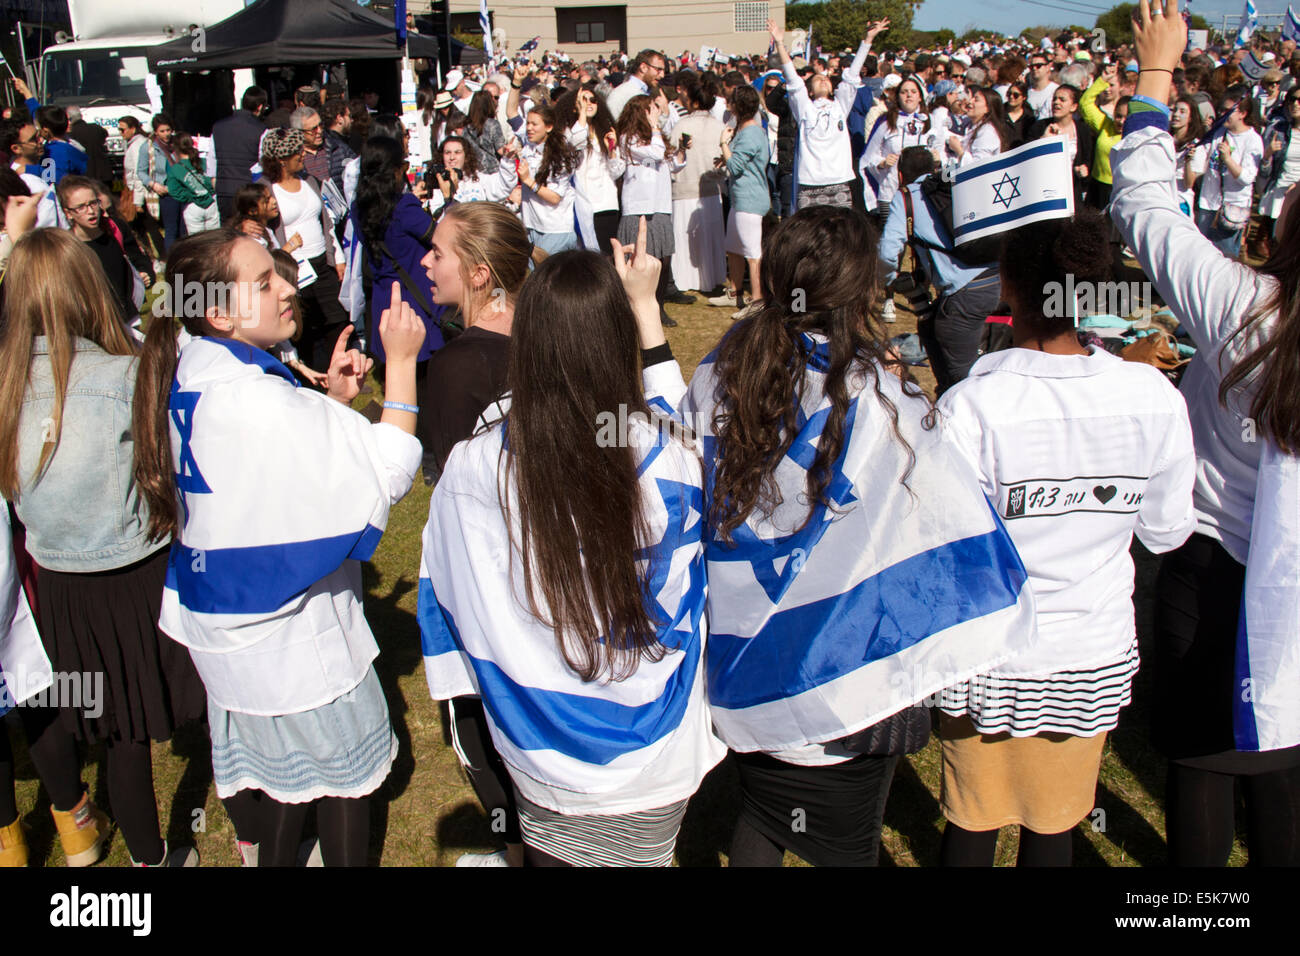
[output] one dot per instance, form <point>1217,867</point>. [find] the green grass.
<point>427,815</point>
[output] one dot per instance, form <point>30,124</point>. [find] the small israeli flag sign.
<point>1025,185</point>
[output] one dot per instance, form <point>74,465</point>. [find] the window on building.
<point>591,25</point>
<point>589,32</point>
<point>751,17</point>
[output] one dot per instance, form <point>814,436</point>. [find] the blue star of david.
<point>189,480</point>
<point>1006,181</point>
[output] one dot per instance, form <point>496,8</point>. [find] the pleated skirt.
<point>101,633</point>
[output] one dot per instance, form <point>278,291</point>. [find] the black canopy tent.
<point>280,32</point>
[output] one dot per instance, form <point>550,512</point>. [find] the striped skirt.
<point>644,838</point>
<point>1081,703</point>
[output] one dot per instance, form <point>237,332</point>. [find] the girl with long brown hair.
<point>1226,694</point>
<point>274,493</point>
<point>66,445</point>
<point>544,167</point>
<point>847,544</point>
<point>562,577</point>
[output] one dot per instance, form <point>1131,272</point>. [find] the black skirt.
<point>1198,603</point>
<point>136,683</point>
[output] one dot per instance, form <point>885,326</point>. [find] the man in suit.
<point>235,140</point>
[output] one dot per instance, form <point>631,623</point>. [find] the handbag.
<point>126,207</point>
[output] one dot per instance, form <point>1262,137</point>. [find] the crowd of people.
<point>798,557</point>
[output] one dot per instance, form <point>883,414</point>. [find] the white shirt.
<point>648,179</point>
<point>1040,101</point>
<point>300,213</point>
<point>1077,453</point>
<point>825,156</point>
<point>980,143</point>
<point>632,86</point>
<point>1195,156</point>
<point>1209,294</point>
<point>597,175</point>
<point>882,181</point>
<point>1248,150</point>
<point>538,214</point>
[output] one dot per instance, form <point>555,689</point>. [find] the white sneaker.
<point>483,859</point>
<point>746,311</point>
<point>725,301</point>
<point>887,314</point>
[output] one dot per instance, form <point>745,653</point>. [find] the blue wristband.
<point>402,407</point>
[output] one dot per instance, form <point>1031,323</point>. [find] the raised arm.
<point>851,79</point>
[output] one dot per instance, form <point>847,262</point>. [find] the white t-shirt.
<point>300,213</point>
<point>1077,453</point>
<point>1248,150</point>
<point>1195,156</point>
<point>1040,101</point>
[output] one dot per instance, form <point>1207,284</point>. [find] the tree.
<point>841,24</point>
<point>1118,23</point>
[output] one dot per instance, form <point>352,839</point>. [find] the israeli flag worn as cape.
<point>874,604</point>
<point>1249,20</point>
<point>1028,184</point>
<point>1266,705</point>
<point>599,747</point>
<point>283,491</point>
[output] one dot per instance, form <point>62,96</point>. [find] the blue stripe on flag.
<point>1244,729</point>
<point>1045,149</point>
<point>808,646</point>
<point>589,729</point>
<point>1014,214</point>
<point>263,578</point>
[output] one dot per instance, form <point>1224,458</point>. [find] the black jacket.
<point>93,139</point>
<point>235,140</point>
<point>786,131</point>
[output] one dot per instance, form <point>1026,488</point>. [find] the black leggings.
<point>978,847</point>
<point>606,225</point>
<point>1200,816</point>
<point>129,773</point>
<point>487,773</point>
<point>53,752</point>
<point>276,828</point>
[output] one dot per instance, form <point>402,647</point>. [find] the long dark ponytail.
<point>818,276</point>
<point>378,189</point>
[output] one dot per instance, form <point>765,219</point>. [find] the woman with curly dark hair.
<point>854,564</point>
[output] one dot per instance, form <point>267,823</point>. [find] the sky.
<point>1010,16</point>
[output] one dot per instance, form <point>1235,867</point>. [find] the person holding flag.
<point>1227,633</point>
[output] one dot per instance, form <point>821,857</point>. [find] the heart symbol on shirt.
<point>1104,494</point>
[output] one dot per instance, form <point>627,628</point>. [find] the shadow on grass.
<point>710,818</point>
<point>911,811</point>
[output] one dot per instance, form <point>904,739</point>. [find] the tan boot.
<point>13,845</point>
<point>82,830</point>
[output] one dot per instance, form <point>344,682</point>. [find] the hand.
<point>890,161</point>
<point>1225,148</point>
<point>521,71</point>
<point>146,279</point>
<point>340,268</point>
<point>525,173</point>
<point>719,162</point>
<point>1053,129</point>
<point>1276,145</point>
<point>639,272</point>
<point>23,89</point>
<point>347,371</point>
<point>777,33</point>
<point>420,190</point>
<point>511,149</point>
<point>1160,39</point>
<point>880,26</point>
<point>20,215</point>
<point>320,379</point>
<point>1081,171</point>
<point>611,140</point>
<point>294,243</point>
<point>727,133</point>
<point>400,329</point>
<point>516,196</point>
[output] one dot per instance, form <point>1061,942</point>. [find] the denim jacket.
<point>84,513</point>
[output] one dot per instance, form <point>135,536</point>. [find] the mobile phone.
<point>685,140</point>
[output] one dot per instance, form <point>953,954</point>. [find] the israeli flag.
<point>1253,67</point>
<point>486,25</point>
<point>1291,26</point>
<point>530,45</point>
<point>599,747</point>
<point>1028,184</point>
<point>1249,20</point>
<point>283,492</point>
<point>824,624</point>
<point>24,667</point>
<point>1266,705</point>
